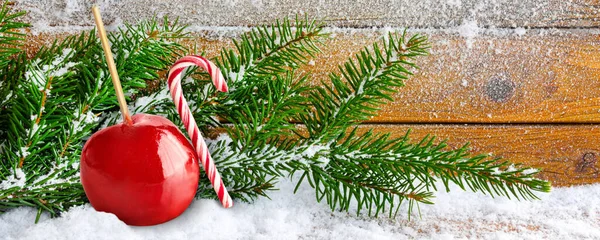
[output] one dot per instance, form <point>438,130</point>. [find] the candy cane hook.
<point>174,80</point>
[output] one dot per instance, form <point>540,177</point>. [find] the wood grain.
<point>357,13</point>
<point>545,81</point>
<point>534,78</point>
<point>567,154</point>
<point>538,77</point>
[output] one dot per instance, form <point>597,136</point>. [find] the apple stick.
<point>111,66</point>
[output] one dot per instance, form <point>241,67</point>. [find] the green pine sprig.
<point>64,93</point>
<point>355,93</point>
<point>273,123</point>
<point>12,40</point>
<point>13,36</point>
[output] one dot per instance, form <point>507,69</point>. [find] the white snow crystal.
<point>520,31</point>
<point>35,128</point>
<point>313,150</point>
<point>216,119</point>
<point>125,53</point>
<point>394,56</point>
<point>511,168</point>
<point>143,103</point>
<point>530,171</point>
<point>52,71</point>
<point>8,96</point>
<point>236,76</point>
<point>87,118</point>
<point>23,152</point>
<point>469,30</point>
<point>63,70</point>
<point>17,179</point>
<point>361,88</point>
<point>37,77</point>
<point>455,3</point>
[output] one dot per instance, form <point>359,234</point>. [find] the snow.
<point>24,152</point>
<point>566,213</point>
<point>36,77</point>
<point>55,72</point>
<point>17,179</point>
<point>87,118</point>
<point>39,75</point>
<point>8,96</point>
<point>520,31</point>
<point>469,30</point>
<point>56,169</point>
<point>530,171</point>
<point>239,75</point>
<point>35,128</point>
<point>73,15</point>
<point>142,104</point>
<point>454,3</point>
<point>310,153</point>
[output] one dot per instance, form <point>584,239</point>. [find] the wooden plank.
<point>554,78</point>
<point>538,77</point>
<point>518,79</point>
<point>568,154</point>
<point>358,13</point>
<point>534,78</point>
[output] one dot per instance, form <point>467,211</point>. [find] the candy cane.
<point>174,80</point>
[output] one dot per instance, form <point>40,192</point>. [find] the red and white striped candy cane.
<point>174,80</point>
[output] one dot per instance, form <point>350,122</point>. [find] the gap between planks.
<point>525,79</point>
<point>565,146</point>
<point>356,13</point>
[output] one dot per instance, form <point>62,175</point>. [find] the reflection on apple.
<point>145,173</point>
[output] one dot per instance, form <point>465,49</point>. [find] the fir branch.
<point>373,171</point>
<point>266,114</point>
<point>62,93</point>
<point>270,50</point>
<point>362,86</point>
<point>378,173</point>
<point>261,54</point>
<point>12,38</point>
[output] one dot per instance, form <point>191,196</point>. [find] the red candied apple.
<point>145,173</point>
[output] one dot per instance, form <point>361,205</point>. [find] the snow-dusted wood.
<point>499,77</point>
<point>545,79</point>
<point>359,13</point>
<point>489,78</point>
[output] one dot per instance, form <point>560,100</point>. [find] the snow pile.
<point>566,213</point>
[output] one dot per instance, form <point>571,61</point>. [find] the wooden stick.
<point>111,66</point>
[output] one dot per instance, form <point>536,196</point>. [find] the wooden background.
<point>519,78</point>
